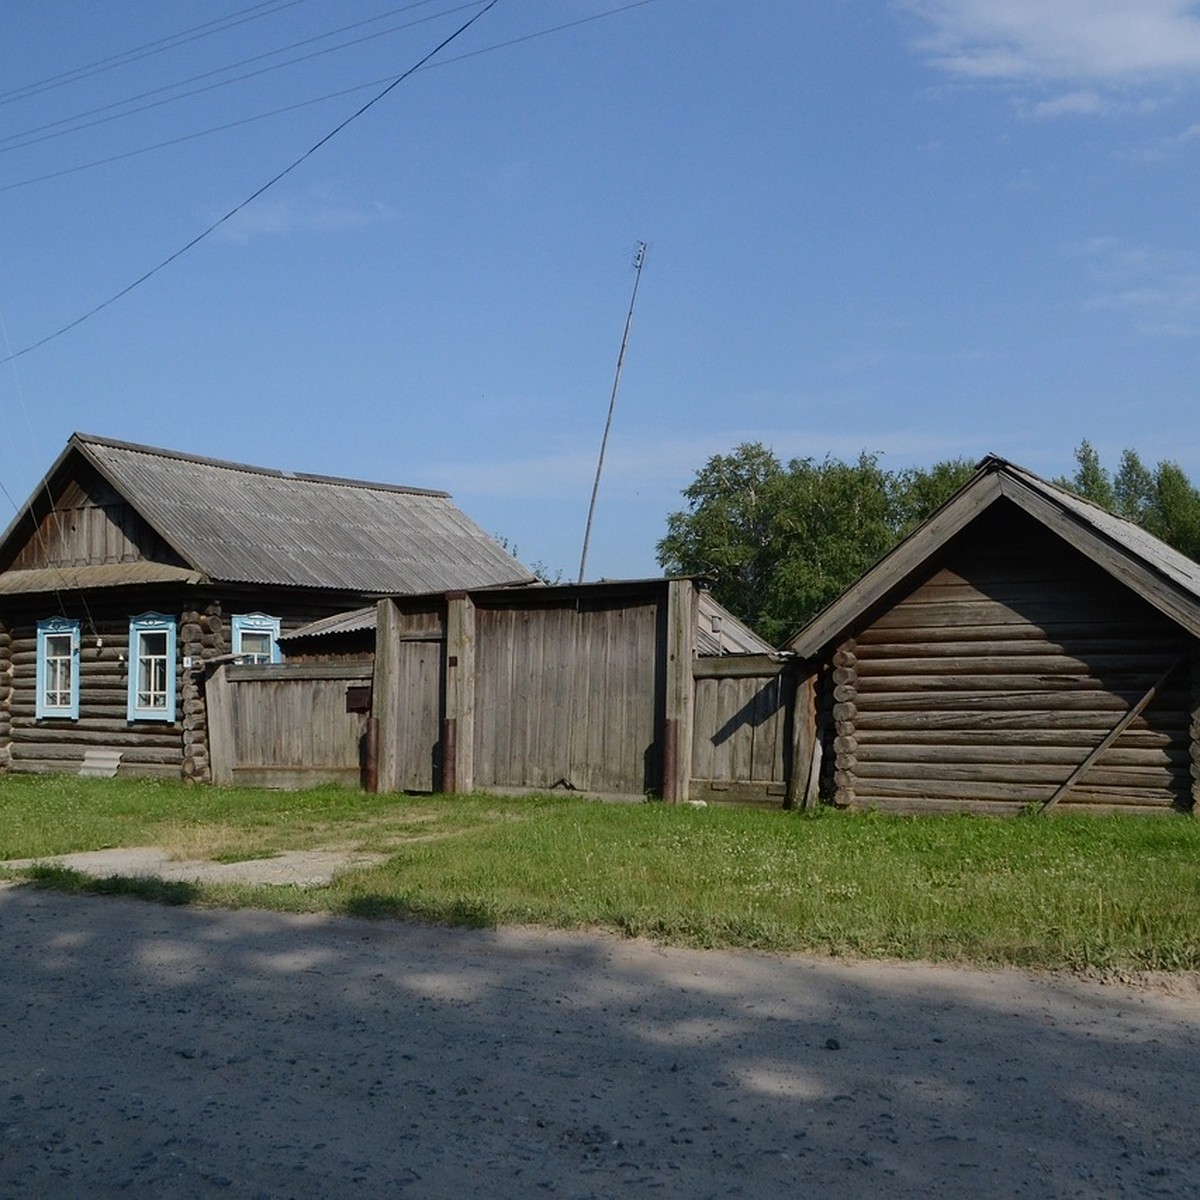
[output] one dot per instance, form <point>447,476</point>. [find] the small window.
<point>58,669</point>
<point>255,638</point>
<point>151,668</point>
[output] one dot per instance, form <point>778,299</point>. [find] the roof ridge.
<point>86,439</point>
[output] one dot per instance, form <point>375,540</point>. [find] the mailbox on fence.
<point>358,698</point>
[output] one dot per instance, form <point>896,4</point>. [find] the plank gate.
<point>288,726</point>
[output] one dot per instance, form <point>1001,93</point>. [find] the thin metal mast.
<point>638,259</point>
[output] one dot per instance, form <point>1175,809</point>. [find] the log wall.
<point>991,683</point>
<point>178,749</point>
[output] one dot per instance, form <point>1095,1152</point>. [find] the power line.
<point>275,112</point>
<point>30,140</point>
<point>255,195</point>
<point>148,49</point>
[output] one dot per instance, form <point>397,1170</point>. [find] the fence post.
<point>385,700</point>
<point>677,726</point>
<point>458,726</point>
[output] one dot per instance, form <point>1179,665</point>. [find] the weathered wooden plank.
<point>922,740</point>
<point>761,666</point>
<point>1020,793</point>
<point>931,705</point>
<point>1135,711</point>
<point>1133,661</point>
<point>881,687</point>
<point>1015,772</point>
<point>680,655</point>
<point>997,755</point>
<point>919,716</point>
<point>761,795</point>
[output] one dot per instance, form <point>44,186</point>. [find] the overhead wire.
<point>288,108</point>
<point>148,49</point>
<point>78,122</point>
<point>258,192</point>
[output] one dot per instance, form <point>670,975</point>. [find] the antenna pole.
<point>638,259</point>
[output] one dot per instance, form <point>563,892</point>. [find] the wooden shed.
<point>131,571</point>
<point>615,689</point>
<point>1022,647</point>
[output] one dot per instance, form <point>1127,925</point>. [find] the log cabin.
<point>1023,648</point>
<point>131,570</point>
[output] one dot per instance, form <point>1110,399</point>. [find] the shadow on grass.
<point>461,912</point>
<point>76,883</point>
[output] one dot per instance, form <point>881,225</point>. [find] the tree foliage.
<point>1162,501</point>
<point>780,542</point>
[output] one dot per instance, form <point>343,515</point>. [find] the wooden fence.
<point>288,725</point>
<point>600,693</point>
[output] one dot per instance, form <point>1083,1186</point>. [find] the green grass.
<point>1117,892</point>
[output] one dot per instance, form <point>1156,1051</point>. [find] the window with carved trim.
<point>255,638</point>
<point>57,669</point>
<point>151,668</point>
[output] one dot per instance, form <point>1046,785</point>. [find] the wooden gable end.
<point>89,524</point>
<point>1014,672</point>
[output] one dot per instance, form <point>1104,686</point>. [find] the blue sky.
<point>924,228</point>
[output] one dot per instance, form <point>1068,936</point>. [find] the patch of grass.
<point>61,879</point>
<point>1068,890</point>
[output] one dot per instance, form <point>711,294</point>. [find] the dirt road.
<point>171,1052</point>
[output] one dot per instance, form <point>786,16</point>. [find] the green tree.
<point>1163,501</point>
<point>780,543</point>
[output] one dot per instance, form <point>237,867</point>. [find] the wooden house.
<point>130,571</point>
<point>1022,647</point>
<point>614,689</point>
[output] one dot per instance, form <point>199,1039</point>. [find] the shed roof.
<point>718,631</point>
<point>235,523</point>
<point>1165,578</point>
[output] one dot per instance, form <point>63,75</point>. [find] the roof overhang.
<point>102,575</point>
<point>1101,537</point>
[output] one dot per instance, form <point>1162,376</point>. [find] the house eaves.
<point>1164,578</point>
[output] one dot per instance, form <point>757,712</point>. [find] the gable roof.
<point>233,523</point>
<point>1162,576</point>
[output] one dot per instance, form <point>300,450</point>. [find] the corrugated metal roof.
<point>719,632</point>
<point>1168,561</point>
<point>57,579</point>
<point>243,524</point>
<point>348,622</point>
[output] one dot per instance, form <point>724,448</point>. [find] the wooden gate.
<point>287,726</point>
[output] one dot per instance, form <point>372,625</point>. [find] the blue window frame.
<point>57,669</point>
<point>255,638</point>
<point>151,668</point>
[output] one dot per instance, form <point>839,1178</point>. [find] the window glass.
<point>57,669</point>
<point>151,668</point>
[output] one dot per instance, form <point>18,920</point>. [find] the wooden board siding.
<point>91,524</point>
<point>992,680</point>
<point>569,696</point>
<point>286,726</point>
<point>741,728</point>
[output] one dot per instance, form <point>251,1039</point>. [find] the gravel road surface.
<point>174,1052</point>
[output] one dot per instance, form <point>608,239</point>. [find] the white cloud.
<point>1087,42</point>
<point>1158,291</point>
<point>312,213</point>
<point>1079,104</point>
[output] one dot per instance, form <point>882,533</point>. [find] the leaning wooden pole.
<point>638,259</point>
